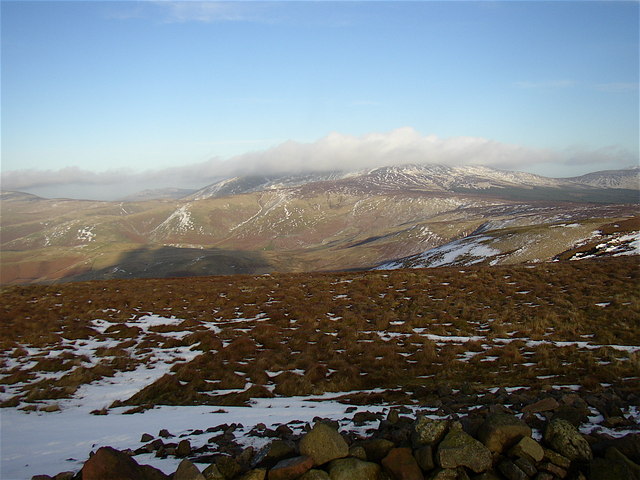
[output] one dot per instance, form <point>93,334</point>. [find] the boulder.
<point>275,451</point>
<point>614,465</point>
<point>459,449</point>
<point>213,473</point>
<point>314,474</point>
<point>567,440</point>
<point>291,468</point>
<point>501,430</point>
<point>255,474</point>
<point>544,405</point>
<point>527,447</point>
<point>556,458</point>
<point>424,457</point>
<point>323,443</point>
<point>401,465</point>
<point>511,471</point>
<point>354,469</point>
<point>377,448</point>
<point>428,431</point>
<point>110,463</point>
<point>444,474</point>
<point>358,451</point>
<point>187,471</point>
<point>183,449</point>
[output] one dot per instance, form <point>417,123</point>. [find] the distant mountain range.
<point>422,178</point>
<point>391,216</point>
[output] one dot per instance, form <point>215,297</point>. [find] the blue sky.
<point>183,90</point>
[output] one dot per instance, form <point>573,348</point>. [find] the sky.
<point>106,98</point>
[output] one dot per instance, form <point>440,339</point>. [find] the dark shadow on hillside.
<point>163,262</point>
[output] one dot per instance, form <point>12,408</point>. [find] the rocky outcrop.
<point>494,445</point>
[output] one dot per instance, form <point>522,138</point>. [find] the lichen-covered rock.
<point>567,440</point>
<point>402,465</point>
<point>459,449</point>
<point>354,469</point>
<point>501,430</point>
<point>428,431</point>
<point>323,444</point>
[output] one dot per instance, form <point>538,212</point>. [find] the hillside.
<point>112,360</point>
<point>304,223</point>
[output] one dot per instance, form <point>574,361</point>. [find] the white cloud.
<point>335,151</point>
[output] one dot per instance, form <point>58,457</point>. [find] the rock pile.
<point>495,445</point>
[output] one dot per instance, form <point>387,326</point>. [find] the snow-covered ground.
<point>49,443</point>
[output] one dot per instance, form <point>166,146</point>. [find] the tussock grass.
<point>299,334</point>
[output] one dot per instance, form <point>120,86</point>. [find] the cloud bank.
<point>333,152</point>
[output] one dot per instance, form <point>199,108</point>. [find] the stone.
<point>614,465</point>
<point>188,471</point>
<point>501,430</point>
<point>41,477</point>
<point>291,468</point>
<point>444,474</point>
<point>486,476</point>
<point>459,449</point>
<point>511,471</point>
<point>323,443</point>
<point>360,418</point>
<point>543,476</point>
<point>554,469</point>
<point>228,466</point>
<point>354,469</point>
<point>164,433</point>
<point>64,476</point>
<point>574,415</point>
<point>358,451</point>
<point>544,405</point>
<point>401,465</point>
<point>110,463</point>
<point>377,449</point>
<point>424,457</point>
<point>183,449</point>
<point>255,474</point>
<point>567,440</point>
<point>526,466</point>
<point>556,458</point>
<point>275,451</point>
<point>213,473</point>
<point>314,474</point>
<point>527,447</point>
<point>428,431</point>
